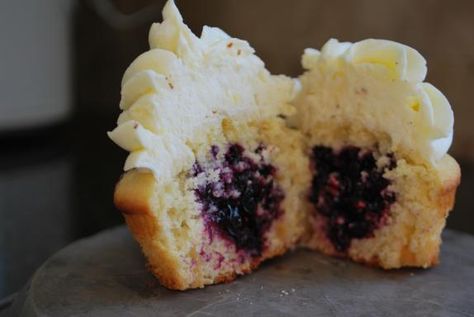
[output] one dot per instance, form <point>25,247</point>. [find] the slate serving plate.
<point>105,275</point>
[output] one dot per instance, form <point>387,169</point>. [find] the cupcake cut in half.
<point>377,138</point>
<point>217,180</point>
<point>213,181</point>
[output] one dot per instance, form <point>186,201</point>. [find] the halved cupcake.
<point>215,181</point>
<point>377,138</point>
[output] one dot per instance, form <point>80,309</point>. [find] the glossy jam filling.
<point>350,192</point>
<point>239,195</point>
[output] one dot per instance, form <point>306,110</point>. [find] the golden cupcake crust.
<point>189,97</point>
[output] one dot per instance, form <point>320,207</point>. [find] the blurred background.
<point>61,63</point>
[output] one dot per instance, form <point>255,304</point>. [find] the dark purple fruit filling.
<point>350,192</point>
<point>243,199</point>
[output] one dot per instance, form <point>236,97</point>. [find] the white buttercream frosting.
<point>185,84</point>
<point>377,84</point>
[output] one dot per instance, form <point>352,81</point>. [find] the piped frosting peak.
<point>377,84</point>
<point>185,84</point>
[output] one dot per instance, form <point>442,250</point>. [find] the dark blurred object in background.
<point>51,199</point>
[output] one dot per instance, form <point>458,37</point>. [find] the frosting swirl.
<point>377,84</point>
<point>185,84</point>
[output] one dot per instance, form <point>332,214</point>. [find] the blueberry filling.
<point>243,199</point>
<point>350,192</point>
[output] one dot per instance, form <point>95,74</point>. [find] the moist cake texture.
<point>230,165</point>
<point>380,133</point>
<point>205,191</point>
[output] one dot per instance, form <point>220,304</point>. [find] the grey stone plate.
<point>105,275</point>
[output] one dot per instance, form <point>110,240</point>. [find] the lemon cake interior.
<point>377,137</point>
<point>230,165</point>
<point>207,193</point>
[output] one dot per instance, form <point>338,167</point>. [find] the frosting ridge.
<point>378,84</point>
<point>185,84</point>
